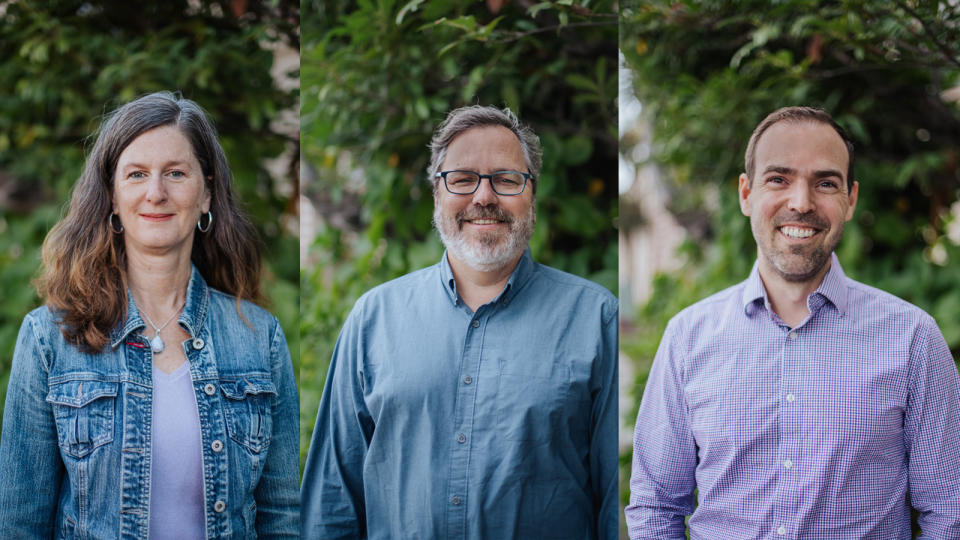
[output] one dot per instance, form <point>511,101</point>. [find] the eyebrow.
<point>826,173</point>
<point>174,163</point>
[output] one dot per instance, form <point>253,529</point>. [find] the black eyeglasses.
<point>467,182</point>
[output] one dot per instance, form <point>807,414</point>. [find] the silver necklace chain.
<point>157,343</point>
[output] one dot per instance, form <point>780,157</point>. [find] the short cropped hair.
<point>464,118</point>
<point>797,114</point>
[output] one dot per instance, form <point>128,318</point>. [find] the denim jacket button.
<point>209,389</point>
<point>198,344</point>
<point>219,506</point>
<point>216,446</point>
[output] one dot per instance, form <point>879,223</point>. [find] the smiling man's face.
<point>798,200</point>
<point>484,230</point>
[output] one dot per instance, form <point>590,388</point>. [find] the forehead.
<point>165,143</point>
<point>492,147</point>
<point>801,145</point>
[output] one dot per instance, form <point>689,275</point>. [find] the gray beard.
<point>491,251</point>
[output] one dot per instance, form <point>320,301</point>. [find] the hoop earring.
<point>209,222</point>
<point>110,224</point>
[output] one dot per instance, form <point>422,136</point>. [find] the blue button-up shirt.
<point>438,422</point>
<point>76,445</point>
<point>827,430</point>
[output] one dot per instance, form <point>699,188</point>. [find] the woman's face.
<point>159,193</point>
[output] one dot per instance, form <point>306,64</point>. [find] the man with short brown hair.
<point>799,403</point>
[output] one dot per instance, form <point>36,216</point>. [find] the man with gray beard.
<point>476,398</point>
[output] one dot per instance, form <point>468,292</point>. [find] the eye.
<point>776,180</point>
<point>829,185</point>
<point>177,174</point>
<point>137,175</point>
<point>507,180</point>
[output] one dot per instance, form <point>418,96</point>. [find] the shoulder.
<point>41,324</point>
<point>709,314</point>
<point>585,293</point>
<point>400,291</point>
<point>874,307</point>
<point>238,320</point>
<point>221,303</point>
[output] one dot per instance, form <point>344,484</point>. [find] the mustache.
<point>808,218</point>
<point>483,212</point>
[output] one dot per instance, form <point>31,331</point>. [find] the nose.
<point>801,198</point>
<point>156,189</point>
<point>484,195</point>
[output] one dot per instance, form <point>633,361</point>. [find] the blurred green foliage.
<point>707,72</point>
<point>378,77</point>
<point>63,64</point>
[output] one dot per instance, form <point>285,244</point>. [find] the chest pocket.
<point>84,412</point>
<point>248,411</point>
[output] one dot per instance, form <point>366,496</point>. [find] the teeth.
<point>797,232</point>
<point>484,221</point>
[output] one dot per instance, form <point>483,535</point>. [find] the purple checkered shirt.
<point>831,429</point>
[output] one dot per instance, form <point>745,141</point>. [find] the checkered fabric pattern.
<point>831,429</point>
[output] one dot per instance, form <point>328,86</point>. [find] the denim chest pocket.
<point>84,412</point>
<point>248,411</point>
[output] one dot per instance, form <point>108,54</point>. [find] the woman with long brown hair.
<point>150,396</point>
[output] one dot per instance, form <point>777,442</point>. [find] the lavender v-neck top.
<point>176,486</point>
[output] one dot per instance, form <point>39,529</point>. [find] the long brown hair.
<point>83,277</point>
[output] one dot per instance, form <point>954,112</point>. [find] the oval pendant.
<point>156,344</point>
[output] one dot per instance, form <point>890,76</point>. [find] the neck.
<point>478,287</point>
<point>158,283</point>
<point>788,299</point>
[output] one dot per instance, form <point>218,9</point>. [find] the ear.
<point>744,190</point>
<point>852,199</point>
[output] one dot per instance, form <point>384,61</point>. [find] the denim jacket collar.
<point>192,318</point>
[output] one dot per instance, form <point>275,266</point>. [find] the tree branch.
<point>514,36</point>
<point>950,54</point>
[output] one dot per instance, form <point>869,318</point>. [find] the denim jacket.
<point>76,443</point>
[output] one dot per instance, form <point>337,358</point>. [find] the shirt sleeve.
<point>332,491</point>
<point>30,465</point>
<point>932,430</point>
<point>662,481</point>
<point>278,502</point>
<point>603,445</point>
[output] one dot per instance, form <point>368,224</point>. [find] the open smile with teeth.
<point>485,221</point>
<point>797,232</point>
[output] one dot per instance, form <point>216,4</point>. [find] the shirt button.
<point>475,324</point>
<point>467,380</point>
<point>791,398</point>
<point>461,438</point>
<point>216,445</point>
<point>209,389</point>
<point>793,335</point>
<point>219,506</point>
<point>198,344</point>
<point>788,464</point>
<point>456,500</point>
<point>781,530</point>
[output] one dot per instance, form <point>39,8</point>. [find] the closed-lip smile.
<point>156,217</point>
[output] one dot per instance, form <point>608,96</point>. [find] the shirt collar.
<point>832,289</point>
<point>192,317</point>
<point>519,277</point>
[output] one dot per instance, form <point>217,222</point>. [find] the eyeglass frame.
<point>526,177</point>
